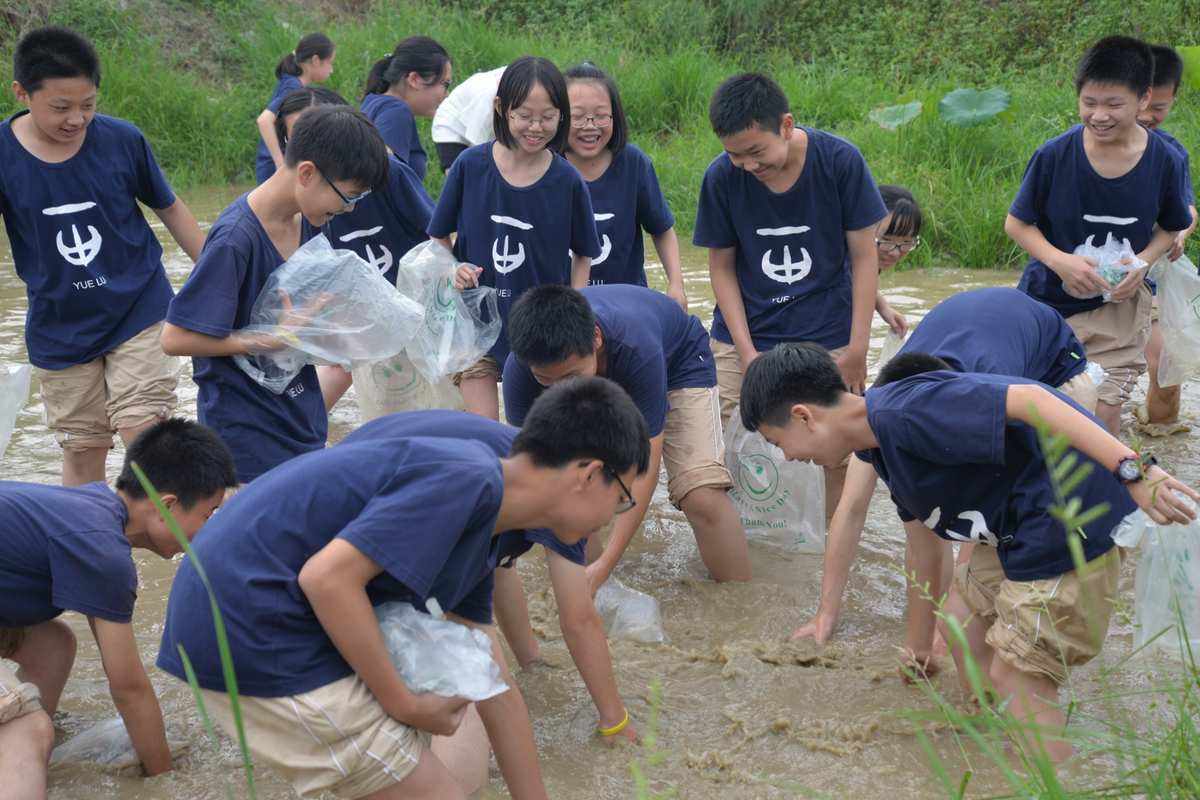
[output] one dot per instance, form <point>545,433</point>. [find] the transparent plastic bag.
<point>1114,260</point>
<point>433,654</point>
<point>14,391</point>
<point>331,307</point>
<point>781,502</point>
<point>1168,589</point>
<point>629,614</point>
<point>1096,372</point>
<point>106,745</point>
<point>1179,321</point>
<point>394,384</point>
<point>891,345</point>
<point>460,327</point>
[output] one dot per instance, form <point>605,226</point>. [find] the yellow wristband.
<point>615,729</point>
<point>286,335</point>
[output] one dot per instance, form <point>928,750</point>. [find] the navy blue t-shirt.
<point>952,459</point>
<point>793,264</point>
<point>627,200</point>
<point>444,424</point>
<point>423,509</point>
<point>91,265</point>
<point>1070,203</point>
<point>261,428</point>
<point>396,124</point>
<point>651,346</point>
<point>264,165</point>
<point>1188,189</point>
<point>385,224</point>
<point>1000,331</point>
<point>519,236</point>
<point>63,549</point>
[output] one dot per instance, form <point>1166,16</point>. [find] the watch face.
<point>1129,470</point>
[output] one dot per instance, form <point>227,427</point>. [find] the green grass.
<point>194,76</point>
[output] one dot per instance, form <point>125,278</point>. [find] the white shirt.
<point>465,116</point>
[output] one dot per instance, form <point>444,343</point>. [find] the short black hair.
<point>905,365</point>
<point>179,457</point>
<point>582,418</point>
<point>549,324</point>
<point>313,44</point>
<point>54,52</point>
<point>745,100</point>
<point>419,54</point>
<point>516,83</point>
<point>1120,60</point>
<point>906,213</point>
<point>788,374</point>
<point>587,71</point>
<point>342,143</point>
<point>299,100</point>
<point>1168,67</point>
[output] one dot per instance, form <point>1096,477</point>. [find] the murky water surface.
<point>743,714</point>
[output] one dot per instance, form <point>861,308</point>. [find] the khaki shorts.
<point>336,738</point>
<point>486,367</point>
<point>1042,626</point>
<point>693,444</point>
<point>1115,337</point>
<point>1081,389</point>
<point>16,698</point>
<point>130,386</point>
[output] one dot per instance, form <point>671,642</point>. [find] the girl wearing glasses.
<point>897,235</point>
<point>517,208</point>
<point>622,183</point>
<point>412,81</point>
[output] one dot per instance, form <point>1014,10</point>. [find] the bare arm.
<point>334,581</point>
<point>182,224</point>
<point>841,548</point>
<point>626,525</point>
<point>1182,237</point>
<point>177,341</point>
<point>667,246</point>
<point>722,273</point>
<point>583,631</point>
<point>581,271</point>
<point>132,693</point>
<point>266,127</point>
<point>864,277</point>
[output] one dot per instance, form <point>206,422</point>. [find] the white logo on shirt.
<point>605,242</point>
<point>786,271</point>
<point>506,260</point>
<point>1102,220</point>
<point>979,529</point>
<point>381,262</point>
<point>80,252</point>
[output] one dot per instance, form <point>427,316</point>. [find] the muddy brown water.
<point>743,714</point>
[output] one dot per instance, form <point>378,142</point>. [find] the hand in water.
<point>895,320</point>
<point>819,628</point>
<point>467,277</point>
<point>629,735</point>
<point>1158,494</point>
<point>918,666</point>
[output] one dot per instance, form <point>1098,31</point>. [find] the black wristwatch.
<point>1130,470</point>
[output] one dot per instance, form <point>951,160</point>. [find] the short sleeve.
<point>862,205</point>
<point>445,214</point>
<point>395,528</point>
<point>956,420</point>
<point>396,125</point>
<point>1027,205</point>
<point>653,214</point>
<point>584,239</point>
<point>92,574</point>
<point>285,87</point>
<point>520,390</point>
<point>575,553</point>
<point>408,193</point>
<point>1174,214</point>
<point>152,187</point>
<point>208,302</point>
<point>714,223</point>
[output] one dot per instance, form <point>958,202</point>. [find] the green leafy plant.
<point>892,117</point>
<point>651,755</point>
<point>967,107</point>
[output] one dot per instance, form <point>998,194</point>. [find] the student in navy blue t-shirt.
<point>298,559</point>
<point>410,82</point>
<point>624,188</point>
<point>310,62</point>
<point>516,208</point>
<point>1159,414</point>
<point>960,455</point>
<point>582,628</point>
<point>381,227</point>
<point>92,268</point>
<point>650,347</point>
<point>998,331</point>
<point>334,157</point>
<point>70,549</point>
<point>1108,177</point>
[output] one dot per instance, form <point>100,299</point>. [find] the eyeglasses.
<point>898,247</point>
<point>627,503</point>
<point>549,120</point>
<point>348,202</point>
<point>599,120</point>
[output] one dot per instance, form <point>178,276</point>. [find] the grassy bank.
<point>195,74</point>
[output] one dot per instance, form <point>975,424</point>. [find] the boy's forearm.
<point>666,244</point>
<point>626,525</point>
<point>183,228</point>
<point>1032,404</point>
<point>583,631</point>
<point>722,272</point>
<point>177,341</point>
<point>1160,245</point>
<point>139,709</point>
<point>581,271</point>
<point>845,531</point>
<point>1030,239</point>
<point>864,280</point>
